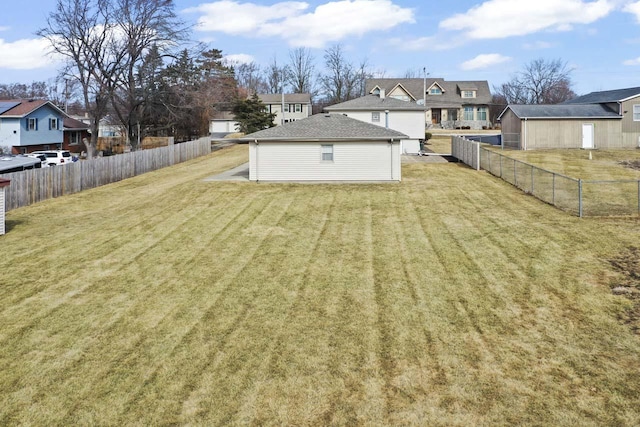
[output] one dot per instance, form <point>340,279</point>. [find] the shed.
<point>527,127</point>
<point>325,147</point>
<point>3,185</point>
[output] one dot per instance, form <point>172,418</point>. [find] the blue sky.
<point>461,40</point>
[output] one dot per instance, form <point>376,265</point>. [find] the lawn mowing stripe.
<point>112,321</point>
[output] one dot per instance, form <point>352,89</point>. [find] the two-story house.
<point>447,104</point>
<point>28,125</point>
<point>287,107</point>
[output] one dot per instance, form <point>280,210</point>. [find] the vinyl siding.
<point>411,123</point>
<point>511,130</point>
<point>543,134</point>
<point>43,135</point>
<point>301,161</point>
<point>9,131</point>
<point>630,128</point>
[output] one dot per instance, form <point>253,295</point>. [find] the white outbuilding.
<point>325,147</point>
<point>404,116</point>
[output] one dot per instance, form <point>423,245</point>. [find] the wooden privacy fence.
<point>35,185</point>
<point>466,151</point>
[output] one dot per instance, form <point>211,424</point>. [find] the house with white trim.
<point>403,116</point>
<point>28,125</point>
<point>325,147</point>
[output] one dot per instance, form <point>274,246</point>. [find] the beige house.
<point>287,107</point>
<point>447,104</point>
<point>608,119</point>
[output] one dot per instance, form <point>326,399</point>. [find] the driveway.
<point>239,173</point>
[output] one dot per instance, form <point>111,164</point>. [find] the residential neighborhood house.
<point>287,107</point>
<point>403,116</point>
<point>28,125</point>
<point>447,104</point>
<point>325,147</point>
<point>605,119</point>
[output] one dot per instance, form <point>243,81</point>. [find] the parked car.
<point>41,157</point>
<point>56,157</point>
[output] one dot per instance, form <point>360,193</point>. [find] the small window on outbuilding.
<point>375,117</point>
<point>327,152</point>
<point>636,113</point>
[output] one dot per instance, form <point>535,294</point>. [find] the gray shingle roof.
<point>276,98</point>
<point>560,111</point>
<point>605,96</point>
<point>450,98</point>
<point>326,127</point>
<point>373,102</point>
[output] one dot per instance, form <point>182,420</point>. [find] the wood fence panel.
<point>35,185</point>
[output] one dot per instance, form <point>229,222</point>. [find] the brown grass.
<point>449,299</point>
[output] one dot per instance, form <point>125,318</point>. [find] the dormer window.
<point>435,90</point>
<point>468,93</point>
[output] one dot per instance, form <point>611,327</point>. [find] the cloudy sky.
<point>461,40</point>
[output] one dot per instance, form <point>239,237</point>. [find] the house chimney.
<point>382,94</point>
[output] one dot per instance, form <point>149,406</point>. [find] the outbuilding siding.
<point>544,134</point>
<point>630,128</point>
<point>301,161</point>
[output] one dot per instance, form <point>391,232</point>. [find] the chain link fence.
<point>576,196</point>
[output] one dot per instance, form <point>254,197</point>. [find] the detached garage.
<point>531,127</point>
<point>325,147</point>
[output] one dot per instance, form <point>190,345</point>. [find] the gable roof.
<point>375,103</point>
<point>289,98</point>
<point>561,111</point>
<point>69,123</point>
<point>319,127</point>
<point>25,107</point>
<point>616,95</point>
<point>451,90</point>
<point>404,89</point>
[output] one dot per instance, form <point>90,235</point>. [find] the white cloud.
<point>25,54</point>
<point>421,43</point>
<point>297,24</point>
<point>484,61</point>
<point>495,19</point>
<point>633,8</point>
<point>632,61</point>
<point>238,58</point>
<point>4,28</point>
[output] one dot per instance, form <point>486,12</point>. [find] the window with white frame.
<point>298,108</point>
<point>327,152</point>
<point>482,113</point>
<point>468,113</point>
<point>468,93</point>
<point>53,124</point>
<point>435,90</point>
<point>286,108</point>
<point>636,113</point>
<point>375,117</point>
<point>32,123</point>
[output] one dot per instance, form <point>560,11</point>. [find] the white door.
<point>587,135</point>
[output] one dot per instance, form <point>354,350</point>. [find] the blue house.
<point>28,125</point>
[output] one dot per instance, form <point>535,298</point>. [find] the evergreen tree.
<point>251,115</point>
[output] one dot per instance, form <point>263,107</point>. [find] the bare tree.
<point>249,78</point>
<point>540,82</point>
<point>276,77</point>
<point>301,70</point>
<point>79,31</point>
<point>343,80</point>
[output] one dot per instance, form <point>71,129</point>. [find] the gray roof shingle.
<point>374,102</point>
<point>602,97</point>
<point>276,98</point>
<point>560,111</point>
<point>450,97</point>
<point>325,127</point>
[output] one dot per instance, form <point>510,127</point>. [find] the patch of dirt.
<point>631,164</point>
<point>627,264</point>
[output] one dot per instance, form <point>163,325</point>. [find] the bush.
<point>427,136</point>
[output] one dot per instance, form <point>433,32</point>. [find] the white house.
<point>288,107</point>
<point>325,147</point>
<point>403,116</point>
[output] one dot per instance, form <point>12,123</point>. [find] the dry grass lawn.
<point>451,299</point>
